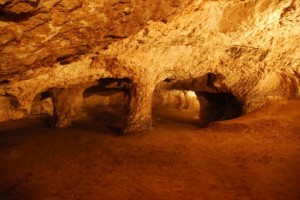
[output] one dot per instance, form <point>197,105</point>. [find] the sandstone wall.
<point>251,47</point>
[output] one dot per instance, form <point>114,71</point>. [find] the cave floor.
<point>256,156</point>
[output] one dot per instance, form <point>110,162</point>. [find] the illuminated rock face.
<point>40,33</point>
<point>248,49</point>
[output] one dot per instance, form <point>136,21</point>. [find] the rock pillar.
<point>139,115</point>
<point>64,102</point>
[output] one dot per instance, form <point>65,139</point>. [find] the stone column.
<point>64,102</point>
<point>139,115</point>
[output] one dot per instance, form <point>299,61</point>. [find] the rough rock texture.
<point>251,47</point>
<point>63,105</point>
<point>256,57</point>
<point>140,107</point>
<point>40,33</point>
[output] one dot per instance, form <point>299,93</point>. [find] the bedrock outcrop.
<point>250,48</point>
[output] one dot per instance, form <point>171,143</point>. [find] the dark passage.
<point>218,106</point>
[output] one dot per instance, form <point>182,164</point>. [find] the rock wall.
<point>251,47</point>
<point>40,33</point>
<point>256,56</point>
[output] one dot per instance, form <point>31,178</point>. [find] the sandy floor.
<point>253,157</point>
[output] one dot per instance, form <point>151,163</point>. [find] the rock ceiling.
<point>40,33</point>
<point>251,46</point>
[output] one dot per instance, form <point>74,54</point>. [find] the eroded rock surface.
<point>250,47</point>
<point>40,33</point>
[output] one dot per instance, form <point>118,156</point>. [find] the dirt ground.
<point>255,157</point>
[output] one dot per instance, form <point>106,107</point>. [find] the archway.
<point>213,103</point>
<point>105,103</point>
<point>42,104</point>
<point>110,92</point>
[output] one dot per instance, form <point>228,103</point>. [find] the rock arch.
<point>42,103</point>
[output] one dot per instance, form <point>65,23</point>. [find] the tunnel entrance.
<point>179,106</point>
<point>107,92</point>
<point>218,106</point>
<point>211,103</point>
<point>174,103</point>
<point>42,104</point>
<point>105,104</point>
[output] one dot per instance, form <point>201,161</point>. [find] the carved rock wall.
<point>251,47</point>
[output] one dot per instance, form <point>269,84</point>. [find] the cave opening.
<point>218,106</point>
<point>42,104</point>
<point>175,104</point>
<point>108,87</point>
<point>2,82</point>
<point>185,99</point>
<point>106,103</point>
